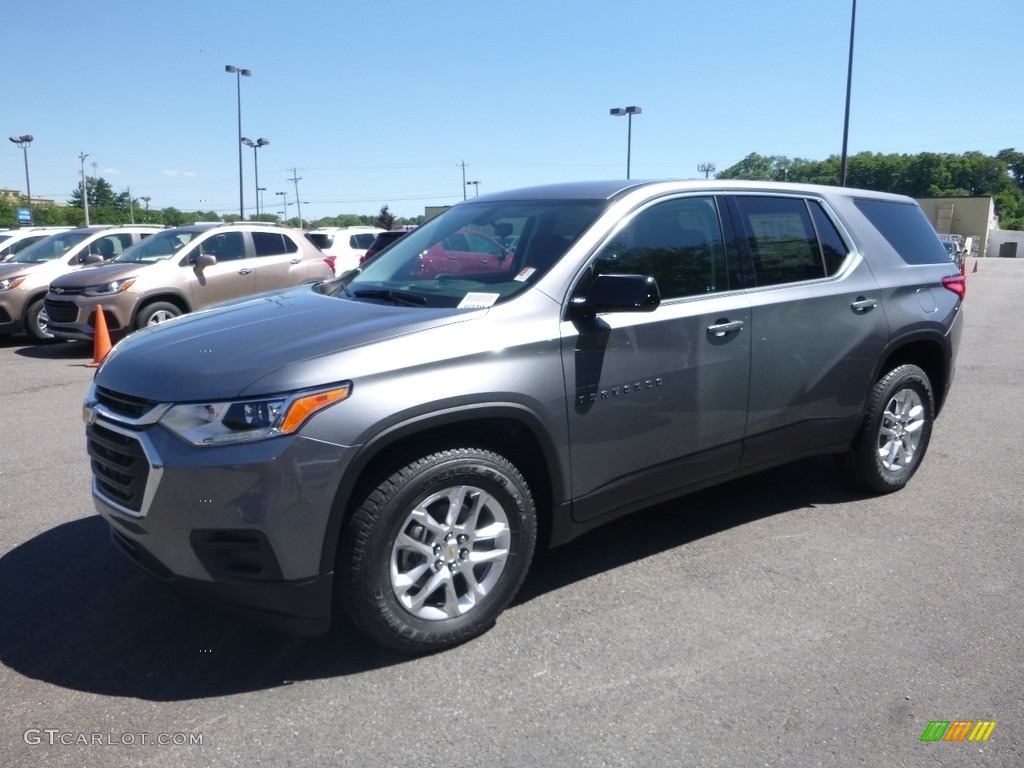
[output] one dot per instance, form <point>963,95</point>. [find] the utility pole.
<point>296,178</point>
<point>706,168</point>
<point>464,182</point>
<point>131,207</point>
<point>85,188</point>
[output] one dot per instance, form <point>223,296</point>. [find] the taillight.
<point>330,262</point>
<point>957,284</point>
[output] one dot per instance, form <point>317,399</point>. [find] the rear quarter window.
<point>905,227</point>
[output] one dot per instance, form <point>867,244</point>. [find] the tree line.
<point>927,174</point>
<point>106,206</point>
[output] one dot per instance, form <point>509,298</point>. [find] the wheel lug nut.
<point>463,554</point>
<point>438,564</point>
<point>463,538</point>
<point>437,549</point>
<point>452,567</point>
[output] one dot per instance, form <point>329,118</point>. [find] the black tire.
<point>894,436</point>
<point>435,552</point>
<point>156,313</point>
<point>35,322</point>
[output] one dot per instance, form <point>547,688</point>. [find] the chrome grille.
<point>119,466</point>
<point>124,405</point>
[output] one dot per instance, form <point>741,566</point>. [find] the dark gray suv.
<point>397,441</point>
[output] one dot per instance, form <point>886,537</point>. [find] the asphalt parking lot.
<point>781,620</point>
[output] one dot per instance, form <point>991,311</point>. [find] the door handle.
<point>862,305</point>
<point>296,261</point>
<point>244,271</point>
<point>723,327</point>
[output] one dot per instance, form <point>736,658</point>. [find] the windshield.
<point>158,247</point>
<point>474,254</point>
<point>51,248</point>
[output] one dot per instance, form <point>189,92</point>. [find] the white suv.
<point>14,241</point>
<point>345,244</point>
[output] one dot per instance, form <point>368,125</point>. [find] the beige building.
<point>972,217</point>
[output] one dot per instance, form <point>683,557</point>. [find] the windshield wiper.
<point>390,294</point>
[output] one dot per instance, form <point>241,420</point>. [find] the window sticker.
<point>478,300</point>
<point>525,274</point>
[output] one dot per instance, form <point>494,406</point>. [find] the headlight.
<point>244,421</point>
<point>117,286</point>
<point>10,282</point>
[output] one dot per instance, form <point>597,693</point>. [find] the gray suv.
<point>396,442</point>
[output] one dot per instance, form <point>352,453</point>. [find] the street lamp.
<point>629,112</point>
<point>22,143</point>
<point>284,197</point>
<point>255,164</point>
<point>239,73</point>
<point>475,184</point>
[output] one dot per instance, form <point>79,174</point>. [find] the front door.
<point>658,400</point>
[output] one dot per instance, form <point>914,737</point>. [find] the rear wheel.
<point>439,549</point>
<point>896,430</point>
<point>156,313</point>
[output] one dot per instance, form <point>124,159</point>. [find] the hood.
<point>10,268</point>
<point>233,350</point>
<point>96,274</point>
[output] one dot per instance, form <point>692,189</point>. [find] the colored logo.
<point>958,730</point>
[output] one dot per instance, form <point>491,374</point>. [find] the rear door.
<point>278,263</point>
<point>658,400</point>
<point>817,326</point>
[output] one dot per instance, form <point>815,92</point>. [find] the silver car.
<point>396,442</point>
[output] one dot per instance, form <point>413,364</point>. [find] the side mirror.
<point>204,260</point>
<point>91,258</point>
<point>618,293</point>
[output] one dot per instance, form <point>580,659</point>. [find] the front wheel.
<point>895,433</point>
<point>36,322</point>
<point>437,550</point>
<point>156,313</point>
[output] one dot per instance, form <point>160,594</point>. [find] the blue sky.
<point>379,103</point>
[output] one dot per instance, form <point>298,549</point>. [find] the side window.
<point>833,249</point>
<point>907,230</point>
<point>109,246</point>
<point>271,244</point>
<point>677,242</point>
<point>781,238</point>
<point>226,246</point>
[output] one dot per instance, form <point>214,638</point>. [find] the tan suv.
<point>181,270</point>
<point>25,278</point>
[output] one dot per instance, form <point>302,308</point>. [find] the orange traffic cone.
<point>102,339</point>
<point>975,266</point>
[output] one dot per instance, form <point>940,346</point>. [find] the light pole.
<point>261,142</point>
<point>259,198</point>
<point>629,112</point>
<point>849,87</point>
<point>239,73</point>
<point>284,197</point>
<point>475,184</point>
<point>22,143</point>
